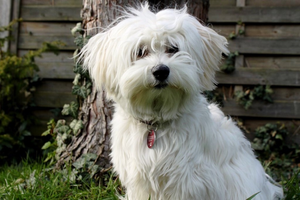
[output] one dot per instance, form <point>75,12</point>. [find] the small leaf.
<point>76,29</point>
<point>76,125</point>
<point>70,109</point>
<point>273,133</point>
<point>47,132</point>
<point>279,137</point>
<point>46,145</point>
<point>76,79</point>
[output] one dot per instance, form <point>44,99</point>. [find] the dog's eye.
<point>172,50</point>
<point>142,53</point>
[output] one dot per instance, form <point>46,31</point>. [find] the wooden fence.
<point>269,50</point>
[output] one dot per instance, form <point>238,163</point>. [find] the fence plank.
<point>290,94</point>
<point>54,94</point>
<point>272,62</point>
<point>272,31</point>
<point>223,29</point>
<point>278,109</point>
<point>53,13</point>
<point>218,3</point>
<point>53,99</point>
<point>255,14</point>
<point>250,76</point>
<point>277,3</point>
<point>33,34</point>
<point>265,46</point>
<point>55,86</point>
<point>34,42</point>
<point>54,66</point>
<point>47,28</point>
<point>5,10</point>
<point>52,2</point>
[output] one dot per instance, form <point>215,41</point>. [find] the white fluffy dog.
<point>168,142</point>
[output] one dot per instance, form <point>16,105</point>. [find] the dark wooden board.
<point>255,14</point>
<point>52,2</point>
<point>250,76</point>
<point>265,46</point>
<point>51,13</point>
<point>278,109</point>
<point>54,94</point>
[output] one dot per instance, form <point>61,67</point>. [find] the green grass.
<point>35,181</point>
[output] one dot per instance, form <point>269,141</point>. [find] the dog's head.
<point>151,63</point>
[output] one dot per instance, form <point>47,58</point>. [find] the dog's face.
<point>151,63</point>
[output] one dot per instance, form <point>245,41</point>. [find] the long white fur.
<point>199,154</point>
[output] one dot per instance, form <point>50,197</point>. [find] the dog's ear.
<point>212,47</point>
<point>99,58</point>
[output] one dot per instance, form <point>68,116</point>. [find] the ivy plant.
<point>228,66</point>
<point>282,158</point>
<point>63,131</point>
<point>247,96</point>
<point>214,97</point>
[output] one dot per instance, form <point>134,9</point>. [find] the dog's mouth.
<point>161,85</point>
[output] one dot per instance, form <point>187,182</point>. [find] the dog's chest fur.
<point>187,155</point>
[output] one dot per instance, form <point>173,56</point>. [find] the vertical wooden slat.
<point>5,10</point>
<point>239,60</point>
<point>240,3</point>
<point>13,45</point>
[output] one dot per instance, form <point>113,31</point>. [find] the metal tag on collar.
<point>151,135</point>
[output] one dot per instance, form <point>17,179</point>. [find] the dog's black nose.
<point>160,72</point>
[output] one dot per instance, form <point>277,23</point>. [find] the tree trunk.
<point>96,111</point>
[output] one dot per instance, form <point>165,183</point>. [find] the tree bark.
<point>96,111</point>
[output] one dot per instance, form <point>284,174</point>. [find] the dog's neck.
<point>151,124</point>
<point>154,124</point>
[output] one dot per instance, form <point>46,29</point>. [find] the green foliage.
<point>246,97</point>
<point>35,180</point>
<point>70,109</point>
<point>281,158</point>
<point>50,147</point>
<point>63,132</point>
<point>18,79</point>
<point>233,35</point>
<point>214,97</point>
<point>228,66</point>
<point>292,187</point>
<point>85,166</point>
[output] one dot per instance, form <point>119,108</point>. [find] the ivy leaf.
<point>76,29</point>
<point>76,126</point>
<point>77,79</point>
<point>63,129</point>
<point>83,90</point>
<point>232,35</point>
<point>70,109</point>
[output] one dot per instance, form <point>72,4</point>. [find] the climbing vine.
<point>248,95</point>
<point>63,131</point>
<point>228,65</point>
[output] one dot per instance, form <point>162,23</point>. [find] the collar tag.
<point>151,139</point>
